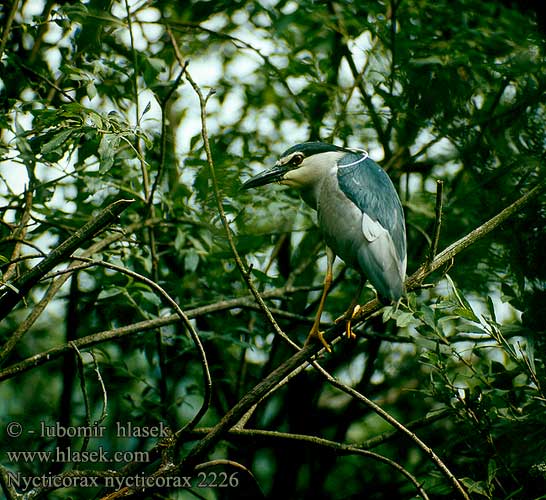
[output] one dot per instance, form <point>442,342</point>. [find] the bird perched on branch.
<point>359,214</point>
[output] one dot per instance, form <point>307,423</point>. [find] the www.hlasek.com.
<point>69,455</point>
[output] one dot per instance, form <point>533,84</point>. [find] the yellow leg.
<point>315,332</point>
<point>348,330</point>
<point>352,311</point>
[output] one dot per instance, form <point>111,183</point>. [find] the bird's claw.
<point>348,317</point>
<point>315,333</point>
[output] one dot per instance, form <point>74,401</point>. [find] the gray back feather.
<point>369,187</point>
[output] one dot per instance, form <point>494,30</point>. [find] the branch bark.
<point>14,291</point>
<point>307,352</point>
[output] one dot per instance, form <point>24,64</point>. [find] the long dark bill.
<point>274,174</point>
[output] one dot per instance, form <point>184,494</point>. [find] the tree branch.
<point>452,250</point>
<point>277,438</point>
<point>7,26</point>
<point>13,292</point>
<point>400,427</point>
<point>437,221</point>
<point>245,272</point>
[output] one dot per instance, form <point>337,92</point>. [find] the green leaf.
<point>108,149</point>
<point>191,260</point>
<point>466,313</point>
<point>58,140</point>
<point>491,308</point>
<point>404,319</point>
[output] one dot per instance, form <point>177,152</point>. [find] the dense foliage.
<point>172,105</point>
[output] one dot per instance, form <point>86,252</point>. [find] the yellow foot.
<point>348,317</point>
<point>316,334</point>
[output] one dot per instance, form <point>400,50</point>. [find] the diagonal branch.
<point>452,250</point>
<point>14,291</point>
<point>308,351</point>
<point>252,435</point>
<point>400,427</point>
<point>245,272</point>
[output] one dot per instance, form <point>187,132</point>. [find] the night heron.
<point>359,214</point>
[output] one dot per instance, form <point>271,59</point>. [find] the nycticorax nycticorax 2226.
<point>359,214</point>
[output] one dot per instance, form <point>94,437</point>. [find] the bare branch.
<point>238,260</point>
<point>397,425</point>
<point>304,439</point>
<point>9,299</point>
<point>85,397</point>
<point>437,221</point>
<point>16,290</point>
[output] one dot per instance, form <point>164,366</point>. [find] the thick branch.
<point>276,438</point>
<point>452,250</point>
<point>17,289</point>
<point>305,354</point>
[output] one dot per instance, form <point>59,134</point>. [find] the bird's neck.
<point>310,193</point>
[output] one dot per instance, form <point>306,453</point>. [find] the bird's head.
<point>301,166</point>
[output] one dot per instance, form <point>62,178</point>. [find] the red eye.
<point>296,159</point>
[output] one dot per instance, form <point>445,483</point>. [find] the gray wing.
<point>383,253</point>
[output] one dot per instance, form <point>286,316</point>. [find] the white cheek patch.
<point>372,229</point>
<point>299,177</point>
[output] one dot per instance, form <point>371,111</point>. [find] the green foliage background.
<point>95,107</point>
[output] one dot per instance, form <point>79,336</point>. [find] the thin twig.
<point>437,221</point>
<point>163,143</point>
<point>18,288</point>
<point>193,333</point>
<point>45,79</point>
<point>381,134</point>
<point>315,441</point>
<point>104,412</point>
<point>397,425</point>
<point>85,396</point>
<point>392,6</point>
<point>452,250</point>
<point>338,11</point>
<point>7,27</point>
<point>238,42</point>
<point>238,260</point>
